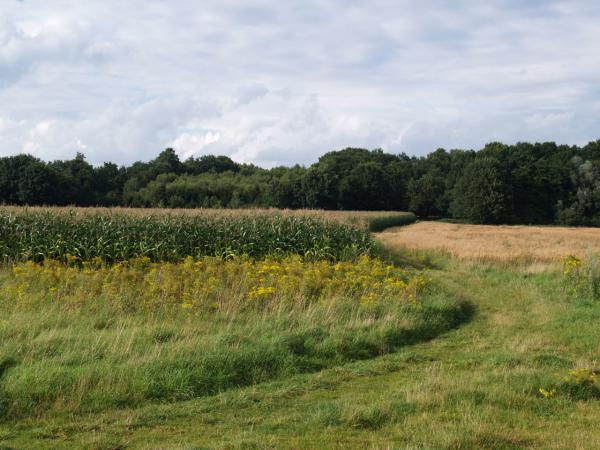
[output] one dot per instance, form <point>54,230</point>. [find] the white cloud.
<point>41,129</point>
<point>283,82</point>
<point>189,144</point>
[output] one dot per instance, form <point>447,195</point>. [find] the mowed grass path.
<point>472,388</point>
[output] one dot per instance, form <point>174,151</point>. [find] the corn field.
<point>36,235</point>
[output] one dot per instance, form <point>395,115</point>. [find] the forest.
<point>525,183</point>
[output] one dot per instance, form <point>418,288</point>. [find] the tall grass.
<point>45,234</point>
<point>81,339</point>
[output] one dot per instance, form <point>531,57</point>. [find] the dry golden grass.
<point>534,247</point>
<point>360,218</point>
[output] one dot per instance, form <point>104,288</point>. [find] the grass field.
<point>80,339</point>
<point>503,358</point>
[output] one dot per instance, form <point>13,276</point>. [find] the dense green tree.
<point>286,187</point>
<point>210,163</point>
<point>77,184</point>
<point>521,183</point>
<point>426,194</point>
<point>320,188</point>
<point>365,187</point>
<point>108,184</point>
<point>481,194</point>
<point>583,207</point>
<point>26,180</point>
<point>166,162</point>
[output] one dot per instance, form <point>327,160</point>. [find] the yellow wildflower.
<point>547,393</point>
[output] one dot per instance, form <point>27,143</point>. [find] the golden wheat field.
<point>536,247</point>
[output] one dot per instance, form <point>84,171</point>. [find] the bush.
<point>381,223</point>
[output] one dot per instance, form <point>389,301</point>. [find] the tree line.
<point>541,183</point>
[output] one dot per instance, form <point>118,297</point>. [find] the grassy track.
<point>474,387</point>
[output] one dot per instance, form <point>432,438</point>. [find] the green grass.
<point>76,340</point>
<point>475,387</point>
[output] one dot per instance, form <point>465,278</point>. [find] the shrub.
<point>397,220</point>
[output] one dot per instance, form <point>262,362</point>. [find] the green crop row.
<point>116,237</point>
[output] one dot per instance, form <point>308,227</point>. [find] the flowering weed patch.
<point>86,336</point>
<point>210,283</point>
<point>583,275</point>
<point>577,384</point>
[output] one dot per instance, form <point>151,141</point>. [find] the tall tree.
<point>481,194</point>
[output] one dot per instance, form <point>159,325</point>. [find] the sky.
<point>274,82</point>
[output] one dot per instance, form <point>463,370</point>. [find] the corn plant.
<point>43,235</point>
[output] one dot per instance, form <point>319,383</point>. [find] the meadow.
<point>86,339</point>
<point>403,347</point>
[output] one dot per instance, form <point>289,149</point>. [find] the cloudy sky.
<point>281,82</point>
